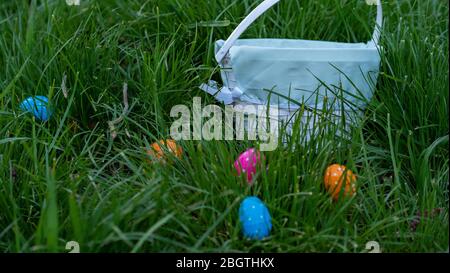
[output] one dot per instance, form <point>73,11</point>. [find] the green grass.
<point>68,180</point>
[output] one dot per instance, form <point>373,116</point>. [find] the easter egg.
<point>159,150</point>
<point>255,218</point>
<point>38,106</point>
<point>335,176</point>
<point>247,163</point>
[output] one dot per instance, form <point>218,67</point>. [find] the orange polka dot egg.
<point>159,150</point>
<point>335,176</point>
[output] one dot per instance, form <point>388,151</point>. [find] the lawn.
<point>75,178</point>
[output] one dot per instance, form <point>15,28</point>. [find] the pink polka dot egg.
<point>248,163</point>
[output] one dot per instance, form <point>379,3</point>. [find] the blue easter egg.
<point>38,106</point>
<point>255,218</point>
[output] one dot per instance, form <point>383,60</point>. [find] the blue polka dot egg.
<point>38,106</point>
<point>255,218</point>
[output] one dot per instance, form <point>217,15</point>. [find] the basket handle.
<point>266,5</point>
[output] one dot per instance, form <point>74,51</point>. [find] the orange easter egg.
<point>159,153</point>
<point>335,175</point>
